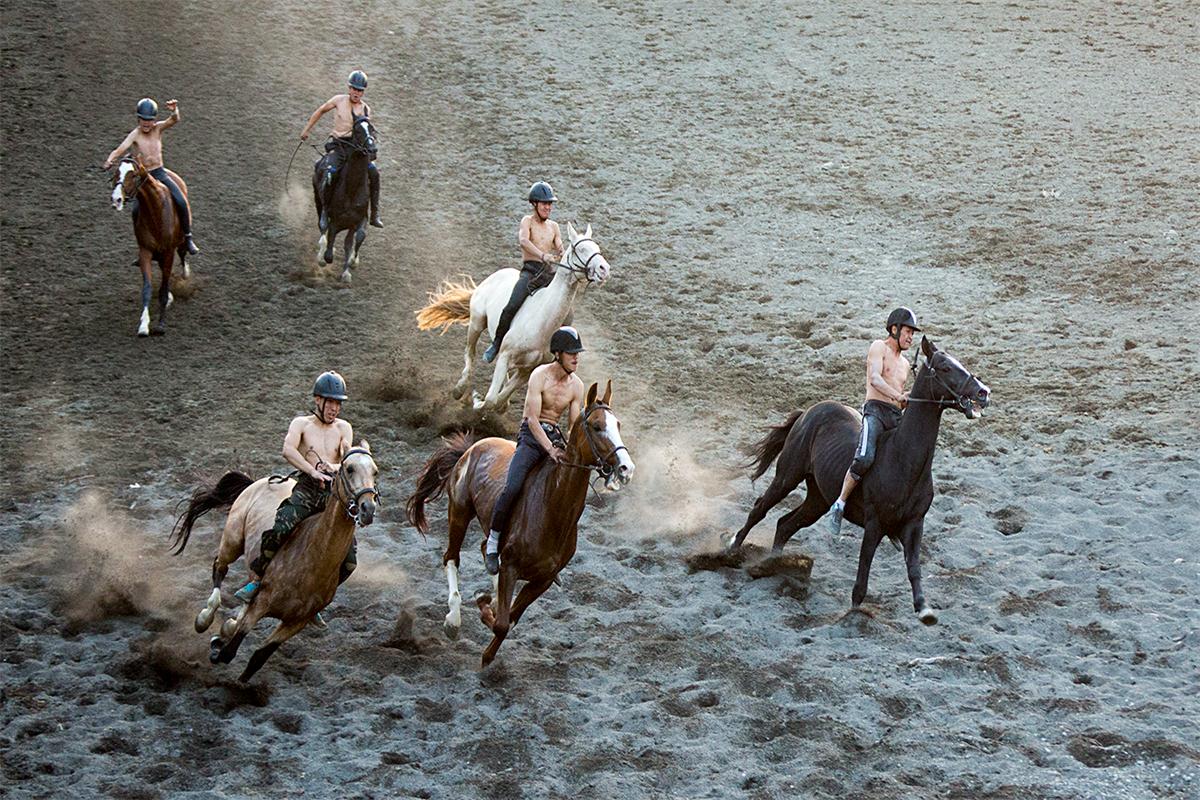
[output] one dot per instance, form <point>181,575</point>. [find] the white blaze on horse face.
<point>625,465</point>
<point>118,192</point>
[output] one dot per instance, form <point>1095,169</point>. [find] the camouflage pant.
<point>308,497</point>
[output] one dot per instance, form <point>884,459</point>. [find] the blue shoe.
<point>835,517</point>
<point>246,593</point>
<point>318,621</point>
<point>490,354</point>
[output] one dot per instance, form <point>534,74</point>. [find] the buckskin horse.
<point>159,234</point>
<point>524,348</point>
<point>303,577</point>
<point>816,446</point>
<point>543,529</point>
<point>349,198</point>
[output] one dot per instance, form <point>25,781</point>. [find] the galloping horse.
<point>543,530</point>
<point>524,348</point>
<point>303,577</point>
<point>895,495</point>
<point>349,199</point>
<point>159,234</point>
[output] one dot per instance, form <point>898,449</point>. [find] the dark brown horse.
<point>542,531</point>
<point>159,234</point>
<point>817,446</point>
<point>303,578</point>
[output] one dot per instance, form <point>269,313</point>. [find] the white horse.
<point>525,345</point>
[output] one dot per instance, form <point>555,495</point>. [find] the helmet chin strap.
<point>324,401</point>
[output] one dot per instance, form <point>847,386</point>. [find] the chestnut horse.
<point>159,234</point>
<point>543,528</point>
<point>816,446</point>
<point>303,577</point>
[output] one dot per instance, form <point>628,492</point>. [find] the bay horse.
<point>303,577</point>
<point>816,446</point>
<point>159,234</point>
<point>524,347</point>
<point>349,198</point>
<point>542,531</point>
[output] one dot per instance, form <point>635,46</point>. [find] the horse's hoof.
<point>143,332</point>
<point>328,257</point>
<point>158,330</point>
<point>345,276</point>
<point>927,616</point>
<point>214,649</point>
<point>170,299</point>
<point>451,629</point>
<point>204,620</point>
<point>228,626</point>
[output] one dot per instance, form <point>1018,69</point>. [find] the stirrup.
<point>246,593</point>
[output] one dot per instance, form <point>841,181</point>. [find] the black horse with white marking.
<point>817,446</point>
<point>349,198</point>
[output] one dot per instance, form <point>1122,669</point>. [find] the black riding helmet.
<point>357,80</point>
<point>541,192</point>
<point>902,316</point>
<point>147,109</point>
<point>566,340</point>
<point>330,385</point>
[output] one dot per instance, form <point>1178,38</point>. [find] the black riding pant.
<point>533,277</point>
<point>335,156</point>
<point>878,417</point>
<point>185,214</point>
<point>308,497</point>
<point>527,456</point>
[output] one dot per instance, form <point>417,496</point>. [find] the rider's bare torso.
<point>344,112</point>
<point>322,445</point>
<point>557,391</point>
<point>148,144</point>
<point>893,369</point>
<point>543,235</point>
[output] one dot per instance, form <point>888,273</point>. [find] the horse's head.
<point>597,437</point>
<point>126,180</point>
<point>583,256</point>
<point>362,136</point>
<point>952,384</point>
<point>355,484</point>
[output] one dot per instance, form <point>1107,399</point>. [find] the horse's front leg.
<point>354,239</point>
<point>516,379</point>
<point>147,288</point>
<point>912,560</point>
<point>164,291</point>
<point>504,593</point>
<point>866,554</point>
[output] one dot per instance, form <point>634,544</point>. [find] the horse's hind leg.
<point>354,239</point>
<point>811,510</point>
<point>474,331</point>
<point>281,634</point>
<point>164,292</point>
<point>780,487</point>
<point>230,549</point>
<point>460,519</point>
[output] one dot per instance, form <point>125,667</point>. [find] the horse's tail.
<point>767,449</point>
<point>435,477</point>
<point>232,484</point>
<point>451,303</point>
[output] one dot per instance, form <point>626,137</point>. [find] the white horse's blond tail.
<point>450,304</point>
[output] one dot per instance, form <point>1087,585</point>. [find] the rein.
<point>961,400</point>
<point>602,467</point>
<point>583,264</point>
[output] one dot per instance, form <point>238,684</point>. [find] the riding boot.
<point>501,330</point>
<point>374,180</point>
<point>191,246</point>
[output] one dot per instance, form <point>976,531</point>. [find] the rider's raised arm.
<point>321,111</point>
<point>172,120</point>
<point>121,148</point>
<point>291,448</point>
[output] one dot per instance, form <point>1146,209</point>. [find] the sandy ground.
<point>767,183</point>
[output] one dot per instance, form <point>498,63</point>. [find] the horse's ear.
<point>571,233</point>
<point>362,445</point>
<point>588,233</point>
<point>927,347</point>
<point>591,395</point>
<point>607,393</point>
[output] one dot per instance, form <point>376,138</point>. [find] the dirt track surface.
<point>767,185</point>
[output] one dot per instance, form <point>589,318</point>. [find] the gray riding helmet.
<point>147,109</point>
<point>330,385</point>
<point>541,192</point>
